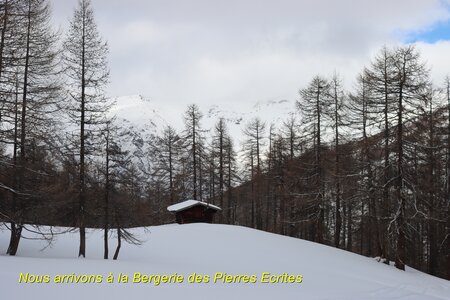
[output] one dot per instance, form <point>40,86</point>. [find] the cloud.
<point>437,57</point>
<point>237,52</point>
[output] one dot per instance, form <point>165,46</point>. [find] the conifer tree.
<point>86,68</point>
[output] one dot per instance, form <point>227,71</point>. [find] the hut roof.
<point>190,203</point>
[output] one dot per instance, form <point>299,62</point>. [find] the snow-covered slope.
<point>206,249</point>
<point>272,112</point>
<point>137,113</point>
<point>148,116</point>
<point>140,121</point>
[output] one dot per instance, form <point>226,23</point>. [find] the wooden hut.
<point>193,211</point>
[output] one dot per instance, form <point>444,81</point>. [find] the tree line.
<point>365,169</point>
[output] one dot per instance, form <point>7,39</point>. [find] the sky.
<point>236,53</point>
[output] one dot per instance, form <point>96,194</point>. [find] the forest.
<point>365,169</point>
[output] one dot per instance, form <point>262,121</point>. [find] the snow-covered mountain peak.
<point>138,112</point>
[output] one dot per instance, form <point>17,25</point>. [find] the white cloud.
<point>237,52</point>
<point>437,57</point>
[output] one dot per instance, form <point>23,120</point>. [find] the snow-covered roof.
<point>190,203</point>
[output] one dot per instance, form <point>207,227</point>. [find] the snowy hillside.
<point>148,116</point>
<point>206,249</point>
<point>271,111</point>
<point>138,113</point>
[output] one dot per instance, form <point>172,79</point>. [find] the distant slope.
<point>136,112</point>
<point>328,273</point>
<point>148,117</point>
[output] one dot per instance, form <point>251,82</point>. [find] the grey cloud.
<point>229,52</point>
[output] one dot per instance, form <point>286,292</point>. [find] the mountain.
<point>211,250</point>
<point>138,113</point>
<point>148,117</point>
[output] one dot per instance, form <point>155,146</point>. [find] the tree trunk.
<point>119,243</point>
<point>386,204</point>
<point>321,212</point>
<point>82,200</point>
<point>221,169</point>
<point>2,41</point>
<point>349,227</point>
<point>194,153</point>
<point>106,224</point>
<point>400,221</point>
<point>448,178</point>
<point>15,238</point>
<point>337,231</point>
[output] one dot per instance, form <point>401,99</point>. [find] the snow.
<point>206,249</point>
<point>151,115</point>
<point>190,203</point>
<point>138,113</point>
